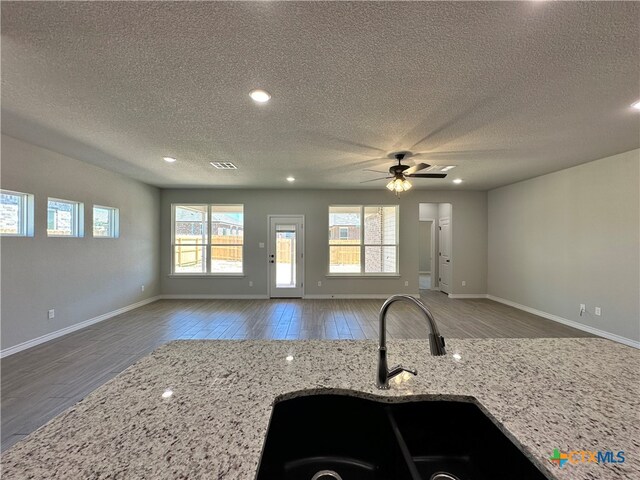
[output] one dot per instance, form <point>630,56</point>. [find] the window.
<point>363,240</point>
<point>197,252</point>
<point>106,222</point>
<point>16,214</point>
<point>65,218</point>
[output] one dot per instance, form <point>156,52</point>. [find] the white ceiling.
<point>505,90</point>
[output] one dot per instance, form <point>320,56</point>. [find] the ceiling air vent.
<point>224,165</point>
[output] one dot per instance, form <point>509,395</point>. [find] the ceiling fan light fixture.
<point>399,184</point>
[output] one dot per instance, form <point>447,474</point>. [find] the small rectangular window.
<point>106,222</point>
<point>65,218</point>
<point>16,214</point>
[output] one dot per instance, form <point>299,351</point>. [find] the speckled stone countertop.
<point>570,394</point>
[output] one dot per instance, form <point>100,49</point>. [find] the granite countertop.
<point>570,394</point>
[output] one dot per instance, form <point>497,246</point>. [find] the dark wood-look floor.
<point>41,382</point>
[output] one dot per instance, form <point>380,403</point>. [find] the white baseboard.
<point>72,328</point>
<point>569,323</point>
<point>356,296</point>
<point>213,297</point>
<point>467,295</point>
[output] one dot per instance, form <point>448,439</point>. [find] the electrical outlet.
<point>51,313</point>
<point>583,308</point>
<point>406,283</point>
<point>319,284</point>
<point>260,244</point>
<point>142,288</point>
<point>598,311</point>
<point>250,283</point>
<point>464,283</point>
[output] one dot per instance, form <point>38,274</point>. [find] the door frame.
<point>432,253</point>
<point>299,217</point>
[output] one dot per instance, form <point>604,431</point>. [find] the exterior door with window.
<point>286,256</point>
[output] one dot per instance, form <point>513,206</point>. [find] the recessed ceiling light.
<point>289,358</point>
<point>636,105</point>
<point>291,179</point>
<point>167,393</point>
<point>169,159</point>
<point>457,180</point>
<point>259,96</point>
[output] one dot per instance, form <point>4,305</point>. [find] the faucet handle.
<point>397,370</point>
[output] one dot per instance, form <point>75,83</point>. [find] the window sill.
<point>206,275</point>
<point>360,275</point>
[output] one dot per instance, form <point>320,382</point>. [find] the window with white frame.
<point>106,222</point>
<point>208,239</point>
<point>363,239</point>
<point>65,218</point>
<point>16,214</point>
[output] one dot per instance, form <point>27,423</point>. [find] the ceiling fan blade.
<point>374,179</point>
<point>370,170</point>
<point>416,168</point>
<point>427,175</point>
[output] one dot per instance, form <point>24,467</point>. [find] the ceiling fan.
<point>399,173</point>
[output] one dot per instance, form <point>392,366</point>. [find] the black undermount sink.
<point>333,437</point>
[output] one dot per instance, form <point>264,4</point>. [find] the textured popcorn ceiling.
<point>506,91</point>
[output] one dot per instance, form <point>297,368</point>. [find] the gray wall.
<point>428,211</point>
<point>80,278</point>
<point>571,237</point>
<point>469,242</point>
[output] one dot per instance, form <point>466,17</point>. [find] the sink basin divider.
<point>406,454</point>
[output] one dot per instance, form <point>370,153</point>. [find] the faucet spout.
<point>436,341</point>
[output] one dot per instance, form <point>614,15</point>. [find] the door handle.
<point>448,261</point>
